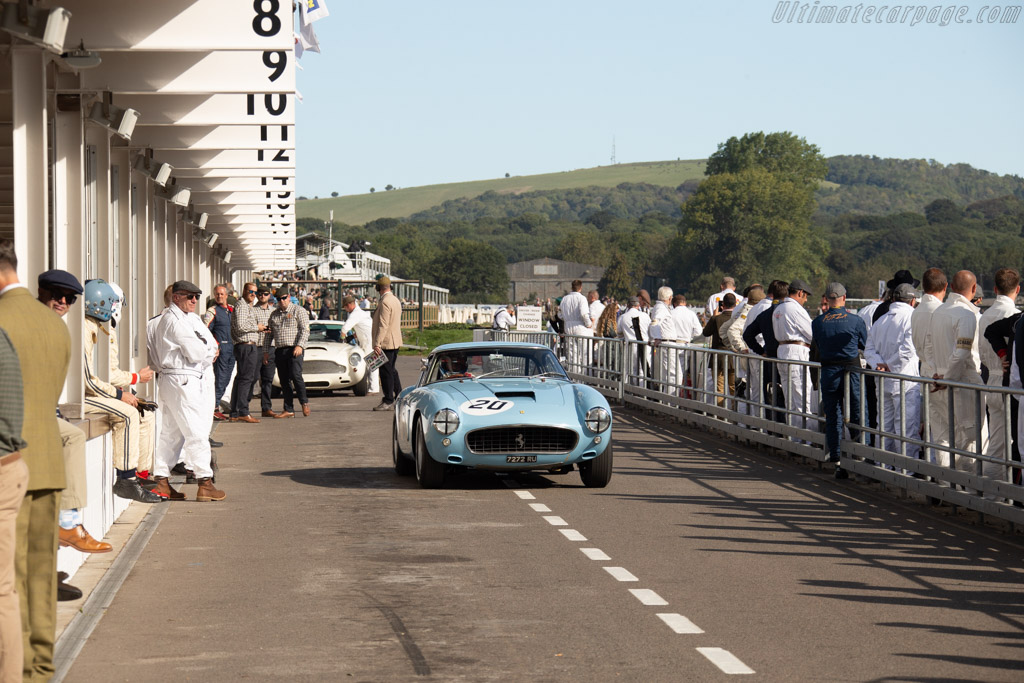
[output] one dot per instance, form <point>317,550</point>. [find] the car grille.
<point>524,439</point>
<point>322,367</point>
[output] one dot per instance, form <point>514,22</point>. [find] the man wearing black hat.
<point>792,327</point>
<point>890,348</point>
<point>901,277</point>
<point>184,350</point>
<point>58,289</point>
<point>248,352</point>
<point>268,368</point>
<point>289,325</point>
<point>839,337</point>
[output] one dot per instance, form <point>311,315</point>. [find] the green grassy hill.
<point>362,208</point>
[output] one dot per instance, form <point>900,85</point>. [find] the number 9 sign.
<point>485,406</point>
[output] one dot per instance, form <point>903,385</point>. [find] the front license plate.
<point>520,458</point>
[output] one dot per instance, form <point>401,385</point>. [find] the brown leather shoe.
<point>79,539</point>
<point>269,413</point>
<point>245,418</point>
<point>305,410</point>
<point>284,413</point>
<point>207,492</point>
<point>165,490</point>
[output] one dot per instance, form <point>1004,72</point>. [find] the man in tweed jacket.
<point>43,345</point>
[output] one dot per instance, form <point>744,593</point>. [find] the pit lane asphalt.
<point>324,565</point>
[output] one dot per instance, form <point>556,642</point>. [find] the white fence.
<point>942,454</point>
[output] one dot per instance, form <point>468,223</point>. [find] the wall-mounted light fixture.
<point>211,239</point>
<point>80,58</point>
<point>201,219</point>
<point>120,121</point>
<point>147,165</point>
<point>174,194</point>
<point>46,28</point>
<point>227,256</point>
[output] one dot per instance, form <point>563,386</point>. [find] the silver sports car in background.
<point>330,362</point>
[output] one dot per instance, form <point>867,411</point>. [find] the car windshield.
<point>481,362</point>
<point>319,333</point>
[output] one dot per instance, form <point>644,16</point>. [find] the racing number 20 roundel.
<point>485,406</point>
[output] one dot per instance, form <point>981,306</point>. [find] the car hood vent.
<point>516,394</point>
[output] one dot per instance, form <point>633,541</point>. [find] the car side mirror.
<point>423,363</point>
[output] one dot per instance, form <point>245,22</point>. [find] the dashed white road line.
<point>725,660</point>
<point>722,658</point>
<point>620,573</point>
<point>595,553</point>
<point>647,597</point>
<point>679,623</point>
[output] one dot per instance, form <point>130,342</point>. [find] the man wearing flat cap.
<point>184,350</point>
<point>289,327</point>
<point>792,327</point>
<point>839,337</point>
<point>386,329</point>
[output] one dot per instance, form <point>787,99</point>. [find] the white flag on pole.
<point>307,40</point>
<point>313,10</point>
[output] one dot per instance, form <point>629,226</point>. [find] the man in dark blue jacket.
<point>218,319</point>
<point>839,336</point>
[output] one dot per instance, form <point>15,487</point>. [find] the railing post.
<point>421,304</point>
<point>341,308</point>
<point>624,345</point>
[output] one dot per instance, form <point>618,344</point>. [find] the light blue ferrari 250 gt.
<point>500,406</point>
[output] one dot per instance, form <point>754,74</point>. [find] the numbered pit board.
<point>375,360</point>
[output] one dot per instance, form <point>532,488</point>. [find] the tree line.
<point>766,208</point>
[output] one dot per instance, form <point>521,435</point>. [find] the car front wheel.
<point>597,473</point>
<point>362,387</point>
<point>403,465</point>
<point>429,472</point>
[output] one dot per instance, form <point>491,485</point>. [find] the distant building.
<point>326,259</point>
<point>549,278</point>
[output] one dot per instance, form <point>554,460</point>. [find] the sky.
<point>414,93</point>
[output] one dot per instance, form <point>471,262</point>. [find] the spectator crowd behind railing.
<point>918,390</point>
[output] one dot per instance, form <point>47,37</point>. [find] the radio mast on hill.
<point>613,150</point>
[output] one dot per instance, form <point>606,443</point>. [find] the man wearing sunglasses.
<point>268,366</point>
<point>184,350</point>
<point>59,289</point>
<point>245,332</point>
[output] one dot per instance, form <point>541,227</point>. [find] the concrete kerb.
<point>99,579</point>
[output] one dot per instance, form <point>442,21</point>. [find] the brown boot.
<point>164,489</point>
<point>207,491</point>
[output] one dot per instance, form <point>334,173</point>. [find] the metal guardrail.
<point>944,454</point>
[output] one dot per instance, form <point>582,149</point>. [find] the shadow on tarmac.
<point>385,478</point>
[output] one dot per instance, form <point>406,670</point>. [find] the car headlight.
<point>446,421</point>
<point>598,420</point>
<point>355,359</point>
